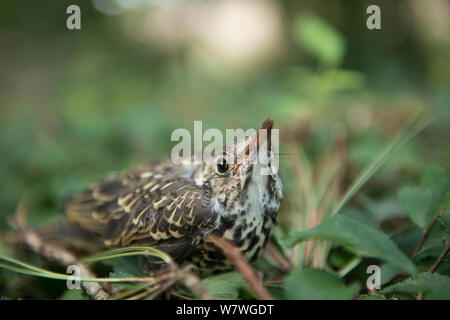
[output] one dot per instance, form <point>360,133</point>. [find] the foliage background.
<point>75,105</point>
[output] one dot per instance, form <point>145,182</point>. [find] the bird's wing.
<point>146,209</point>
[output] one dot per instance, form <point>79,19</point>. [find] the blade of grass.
<point>410,130</point>
<point>127,292</point>
<point>128,251</point>
<point>24,268</point>
<point>35,271</point>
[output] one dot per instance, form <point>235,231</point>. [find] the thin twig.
<point>178,295</point>
<point>282,263</point>
<point>440,259</point>
<point>98,291</point>
<point>190,280</point>
<point>242,266</point>
<point>425,234</point>
<point>185,276</point>
<point>168,278</point>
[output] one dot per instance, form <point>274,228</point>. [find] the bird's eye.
<point>222,165</point>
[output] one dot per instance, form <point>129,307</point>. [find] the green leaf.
<point>446,200</point>
<point>224,286</point>
<point>311,284</point>
<point>435,177</point>
<point>422,203</point>
<point>388,272</point>
<point>126,267</point>
<point>427,256</point>
<point>73,294</point>
<point>415,202</point>
<point>432,286</point>
<point>320,39</point>
<point>437,237</point>
<point>357,237</point>
<point>133,266</point>
<point>371,296</point>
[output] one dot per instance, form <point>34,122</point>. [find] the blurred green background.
<point>75,105</point>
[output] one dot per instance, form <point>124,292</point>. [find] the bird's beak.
<point>264,133</point>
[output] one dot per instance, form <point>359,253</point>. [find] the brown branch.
<point>98,291</point>
<point>440,259</point>
<point>419,245</point>
<point>190,280</point>
<point>157,289</point>
<point>241,265</point>
<point>172,276</point>
<point>425,234</point>
<point>282,263</point>
<point>101,291</point>
<point>178,295</point>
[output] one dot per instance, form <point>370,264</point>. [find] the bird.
<point>173,206</point>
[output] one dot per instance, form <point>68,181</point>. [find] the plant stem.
<point>242,266</point>
<point>425,234</point>
<point>440,259</point>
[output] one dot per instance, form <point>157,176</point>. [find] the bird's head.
<point>245,173</point>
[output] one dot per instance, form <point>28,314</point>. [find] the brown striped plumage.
<point>173,207</point>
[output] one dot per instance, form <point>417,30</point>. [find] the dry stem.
<point>425,234</point>
<point>242,266</point>
<point>98,291</point>
<point>440,259</point>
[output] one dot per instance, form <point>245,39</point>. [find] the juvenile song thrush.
<point>172,207</point>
